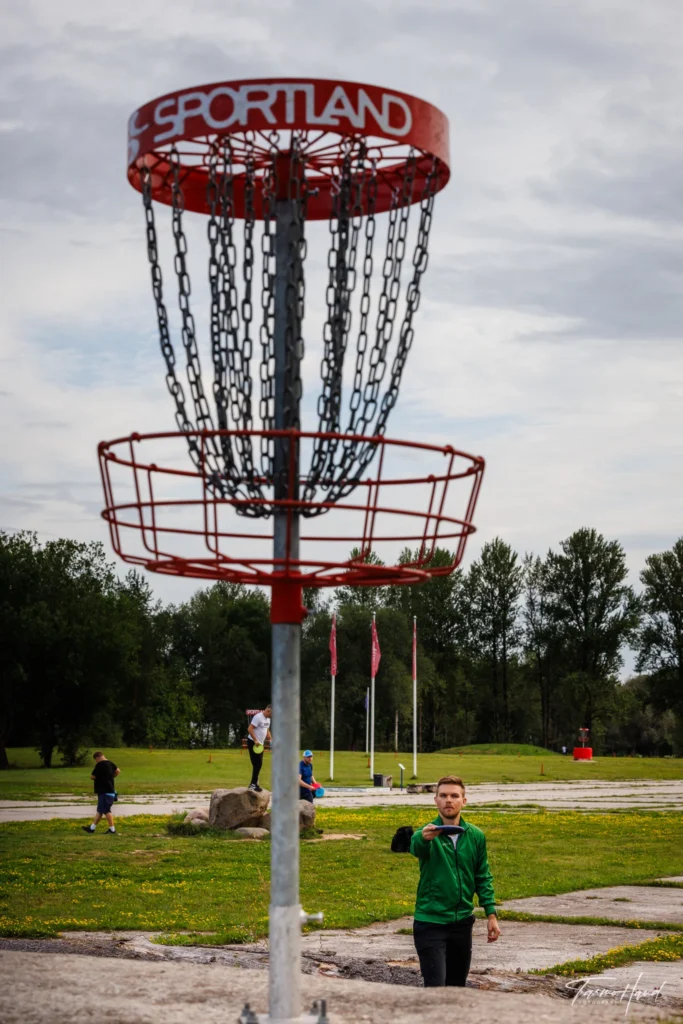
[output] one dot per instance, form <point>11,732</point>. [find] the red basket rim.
<point>329,111</point>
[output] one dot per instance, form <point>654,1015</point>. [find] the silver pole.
<point>414,712</point>
<point>334,680</point>
<point>367,720</point>
<point>285,909</point>
<point>372,720</point>
<point>372,727</point>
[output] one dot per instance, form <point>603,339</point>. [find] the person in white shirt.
<point>259,732</point>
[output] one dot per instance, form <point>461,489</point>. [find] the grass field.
<point>53,877</point>
<point>178,771</point>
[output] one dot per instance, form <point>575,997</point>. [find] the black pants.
<point>256,762</point>
<point>445,952</point>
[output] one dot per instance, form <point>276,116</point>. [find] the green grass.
<point>179,771</point>
<point>664,948</point>
<point>53,877</point>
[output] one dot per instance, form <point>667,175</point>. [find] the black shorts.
<point>105,802</point>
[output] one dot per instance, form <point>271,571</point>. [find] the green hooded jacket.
<point>450,875</point>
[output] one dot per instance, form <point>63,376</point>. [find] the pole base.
<point>318,1015</point>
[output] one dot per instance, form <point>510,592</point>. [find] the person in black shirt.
<point>103,775</point>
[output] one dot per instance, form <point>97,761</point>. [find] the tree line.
<point>514,649</point>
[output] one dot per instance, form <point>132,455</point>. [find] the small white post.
<point>334,679</point>
<point>372,727</point>
<point>414,696</point>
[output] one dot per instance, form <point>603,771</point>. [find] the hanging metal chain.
<point>203,416</point>
<point>336,466</point>
<point>267,329</point>
<point>174,386</point>
<point>413,295</point>
<point>345,224</point>
<point>296,293</point>
<point>231,353</point>
<point>364,409</point>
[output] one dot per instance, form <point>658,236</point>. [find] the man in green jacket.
<point>453,866</point>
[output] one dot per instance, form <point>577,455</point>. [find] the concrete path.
<point>617,902</point>
<point>589,795</point>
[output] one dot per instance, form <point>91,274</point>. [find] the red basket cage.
<point>168,518</point>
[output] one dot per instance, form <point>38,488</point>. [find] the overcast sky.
<point>549,337</point>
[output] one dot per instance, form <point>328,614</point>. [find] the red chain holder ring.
<point>257,115</point>
<point>166,517</point>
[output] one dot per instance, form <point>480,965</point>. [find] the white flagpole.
<point>334,679</point>
<point>414,702</point>
<point>367,720</point>
<point>372,719</point>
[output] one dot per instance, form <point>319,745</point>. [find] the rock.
<point>231,808</point>
<point>252,833</point>
<point>198,813</point>
<point>196,822</point>
<point>265,821</point>
<point>306,814</point>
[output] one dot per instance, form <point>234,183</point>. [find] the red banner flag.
<point>333,647</point>
<point>376,653</point>
<point>414,648</point>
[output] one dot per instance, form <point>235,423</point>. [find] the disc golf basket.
<point>583,752</point>
<point>241,492</point>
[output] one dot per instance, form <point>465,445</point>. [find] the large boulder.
<point>265,821</point>
<point>232,808</point>
<point>252,833</point>
<point>306,814</point>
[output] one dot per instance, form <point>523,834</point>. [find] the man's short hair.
<point>98,753</point>
<point>451,780</point>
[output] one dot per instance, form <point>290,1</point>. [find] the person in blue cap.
<point>307,783</point>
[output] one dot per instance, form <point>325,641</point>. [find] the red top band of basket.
<point>393,122</point>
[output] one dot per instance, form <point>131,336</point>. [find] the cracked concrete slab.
<point>50,988</point>
<point>617,902</point>
<point>643,976</point>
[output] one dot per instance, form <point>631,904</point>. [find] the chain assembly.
<point>274,183</point>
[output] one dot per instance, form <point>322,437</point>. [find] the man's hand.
<point>428,832</point>
<point>493,928</point>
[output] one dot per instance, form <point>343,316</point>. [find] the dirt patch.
<point>331,836</point>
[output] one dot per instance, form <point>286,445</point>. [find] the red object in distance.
<point>259,115</point>
<point>583,753</point>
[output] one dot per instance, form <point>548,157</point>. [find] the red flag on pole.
<point>376,653</point>
<point>414,648</point>
<point>333,647</point>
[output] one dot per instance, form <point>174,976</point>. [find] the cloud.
<point>549,332</point>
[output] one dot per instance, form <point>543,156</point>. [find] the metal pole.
<point>372,719</point>
<point>372,728</point>
<point>414,707</point>
<point>285,909</point>
<point>367,720</point>
<point>334,679</point>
